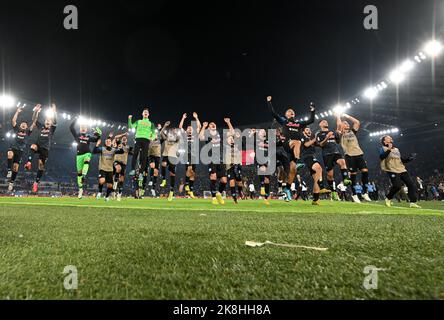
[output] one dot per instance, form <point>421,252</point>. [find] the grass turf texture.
<point>189,249</point>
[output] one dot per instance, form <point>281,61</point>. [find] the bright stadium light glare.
<point>433,48</point>
<point>8,135</point>
<point>75,144</point>
<point>396,76</point>
<point>339,110</point>
<point>407,66</point>
<point>370,93</point>
<point>49,113</point>
<point>7,101</point>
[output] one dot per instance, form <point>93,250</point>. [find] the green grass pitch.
<point>189,249</point>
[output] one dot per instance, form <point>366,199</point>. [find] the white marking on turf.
<point>255,244</point>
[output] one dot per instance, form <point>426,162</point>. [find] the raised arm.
<point>162,132</point>
<point>281,120</point>
<point>199,125</point>
<point>230,126</point>
<point>182,121</point>
<point>72,128</point>
<point>15,117</point>
<point>356,122</point>
<point>312,117</point>
<point>202,131</point>
<point>35,116</point>
<point>130,122</point>
<point>54,112</point>
<point>338,123</point>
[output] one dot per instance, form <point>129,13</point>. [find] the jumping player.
<point>145,131</point>
<point>43,144</point>
<point>170,155</point>
<point>154,157</point>
<point>393,164</point>
<point>354,156</point>
<point>292,132</point>
<point>233,161</point>
<point>308,152</point>
<point>83,158</point>
<point>216,169</point>
<point>106,166</point>
<point>328,141</point>
<point>15,152</point>
<point>120,163</point>
<point>190,175</point>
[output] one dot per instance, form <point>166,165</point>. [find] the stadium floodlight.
<point>8,135</point>
<point>407,66</point>
<point>370,93</point>
<point>75,144</point>
<point>339,110</point>
<point>317,117</point>
<point>433,48</point>
<point>64,115</point>
<point>422,56</point>
<point>418,59</point>
<point>7,101</point>
<point>14,135</point>
<point>396,76</point>
<point>49,113</point>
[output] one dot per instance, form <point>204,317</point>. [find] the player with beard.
<point>120,163</point>
<point>15,152</point>
<point>328,141</point>
<point>354,156</point>
<point>43,144</point>
<point>308,152</point>
<point>170,155</point>
<point>393,163</point>
<point>233,160</point>
<point>292,132</point>
<point>83,158</point>
<point>106,166</point>
<point>216,168</point>
<point>192,158</point>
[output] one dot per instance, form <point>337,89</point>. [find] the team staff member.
<point>354,156</point>
<point>393,164</point>
<point>154,155</point>
<point>145,131</point>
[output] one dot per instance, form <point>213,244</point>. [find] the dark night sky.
<point>218,58</point>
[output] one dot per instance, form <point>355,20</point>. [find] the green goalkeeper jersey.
<point>145,129</point>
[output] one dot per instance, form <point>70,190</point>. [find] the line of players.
<point>295,150</point>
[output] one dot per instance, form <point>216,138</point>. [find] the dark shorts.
<point>330,160</point>
<point>235,173</point>
<point>218,169</point>
<point>171,166</point>
<point>289,151</point>
<point>310,161</point>
<point>17,155</point>
<point>356,163</point>
<point>43,153</point>
<point>122,166</point>
<point>155,160</point>
<point>282,159</point>
<point>108,175</point>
